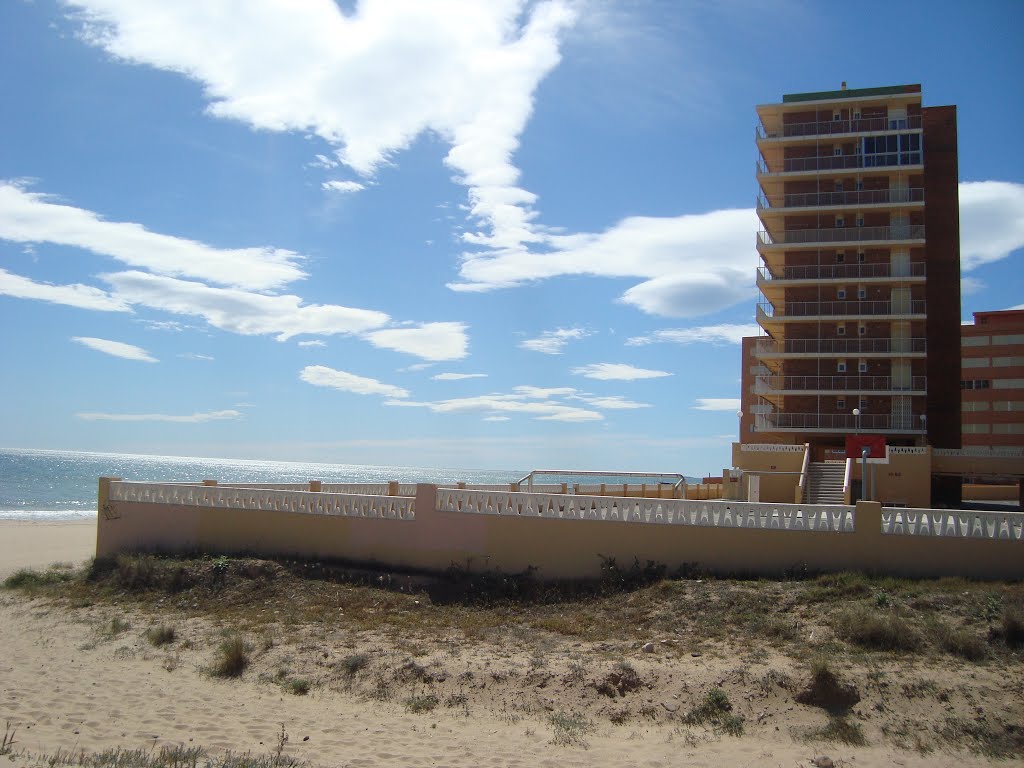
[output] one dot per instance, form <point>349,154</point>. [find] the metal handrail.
<point>842,162</point>
<point>846,422</point>
<point>849,197</point>
<point>840,383</point>
<point>842,271</point>
<point>528,478</point>
<point>841,308</point>
<point>842,346</point>
<point>841,235</point>
<point>833,127</point>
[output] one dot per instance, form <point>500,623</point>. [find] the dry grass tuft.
<point>161,635</point>
<point>232,658</point>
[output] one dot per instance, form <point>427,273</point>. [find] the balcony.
<point>851,198</point>
<point>839,162</point>
<point>805,384</point>
<point>844,423</point>
<point>798,310</point>
<point>858,271</point>
<point>840,346</point>
<point>838,127</point>
<point>790,237</point>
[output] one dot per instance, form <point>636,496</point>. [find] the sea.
<point>61,485</point>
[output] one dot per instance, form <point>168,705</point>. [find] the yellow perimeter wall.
<point>557,548</point>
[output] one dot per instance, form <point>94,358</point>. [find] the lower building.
<point>992,380</point>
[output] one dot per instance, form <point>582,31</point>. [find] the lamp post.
<point>864,451</point>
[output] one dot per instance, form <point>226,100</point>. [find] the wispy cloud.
<point>706,334</point>
<point>313,343</point>
<point>617,372</point>
<point>717,404</point>
<point>33,217</point>
<point>430,341</point>
<point>458,376</point>
<point>554,342</point>
<point>196,356</point>
<point>497,418</point>
<point>322,376</point>
<point>116,349</point>
<point>611,402</point>
<point>194,418</point>
<point>342,186</point>
<point>77,295</point>
<point>503,404</point>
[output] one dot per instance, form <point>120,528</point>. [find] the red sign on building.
<point>855,445</point>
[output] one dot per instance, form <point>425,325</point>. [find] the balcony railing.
<point>839,384</point>
<point>840,162</point>
<point>841,235</point>
<point>848,198</point>
<point>841,308</point>
<point>841,346</point>
<point>833,127</point>
<point>842,271</point>
<point>841,422</point>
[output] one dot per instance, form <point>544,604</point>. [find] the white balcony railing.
<point>834,127</point>
<point>839,384</point>
<point>854,198</point>
<point>841,346</point>
<point>842,271</point>
<point>839,162</point>
<point>841,235</point>
<point>910,424</point>
<point>841,308</point>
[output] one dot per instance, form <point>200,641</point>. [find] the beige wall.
<point>906,480</point>
<point>779,471</point>
<point>559,548</point>
<point>972,492</point>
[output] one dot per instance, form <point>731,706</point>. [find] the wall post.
<point>209,482</point>
<point>103,508</point>
<point>316,486</point>
<point>393,488</point>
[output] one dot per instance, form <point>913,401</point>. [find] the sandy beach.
<point>39,544</point>
<point>86,677</point>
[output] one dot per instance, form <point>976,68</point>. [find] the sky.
<point>486,234</point>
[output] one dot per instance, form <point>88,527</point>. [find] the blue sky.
<point>481,234</point>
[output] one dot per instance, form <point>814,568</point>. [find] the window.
<point>840,403</point>
<point>840,257</point>
<point>862,366</point>
<point>1008,405</point>
<point>840,330</point>
<point>837,151</point>
<point>1008,429</point>
<point>860,221</point>
<point>840,222</point>
<point>856,115</point>
<point>976,429</point>
<point>841,293</point>
<point>860,256</point>
<point>892,149</point>
<point>984,384</point>
<point>862,329</point>
<point>971,406</point>
<point>974,362</point>
<point>862,292</point>
<point>837,115</point>
<point>1007,362</point>
<point>859,186</point>
<point>974,341</point>
<point>1005,384</point>
<point>838,186</point>
<point>841,366</point>
<point>863,404</point>
<point>1013,338</point>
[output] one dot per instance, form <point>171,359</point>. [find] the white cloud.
<point>991,221</point>
<point>542,393</point>
<point>322,376</point>
<point>77,295</point>
<point>116,349</point>
<point>368,82</point>
<point>196,356</point>
<point>496,418</point>
<point>342,186</point>
<point>416,367</point>
<point>240,311</point>
<point>323,161</point>
<point>195,418</point>
<point>500,404</point>
<point>313,343</point>
<point>970,285</point>
<point>717,404</point>
<point>431,341</point>
<point>554,342</point>
<point>706,334</point>
<point>458,376</point>
<point>611,402</point>
<point>617,372</point>
<point>691,264</point>
<point>32,217</point>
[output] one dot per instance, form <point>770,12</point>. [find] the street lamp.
<point>864,451</point>
<point>856,413</point>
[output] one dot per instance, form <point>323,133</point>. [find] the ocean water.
<point>61,485</point>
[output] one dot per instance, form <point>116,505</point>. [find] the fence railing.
<point>840,422</point>
<point>841,308</point>
<point>852,197</point>
<point>303,502</point>
<point>795,517</point>
<point>839,162</point>
<point>841,235</point>
<point>833,127</point>
<point>840,383</point>
<point>953,524</point>
<point>842,271</point>
<point>841,346</point>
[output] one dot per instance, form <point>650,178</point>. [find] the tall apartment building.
<point>992,379</point>
<point>860,273</point>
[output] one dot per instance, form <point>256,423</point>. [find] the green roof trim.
<point>850,93</point>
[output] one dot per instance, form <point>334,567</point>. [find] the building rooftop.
<point>851,93</point>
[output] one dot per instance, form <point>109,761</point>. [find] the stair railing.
<point>846,481</point>
<point>799,495</point>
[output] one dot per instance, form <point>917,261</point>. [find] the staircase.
<point>825,482</point>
